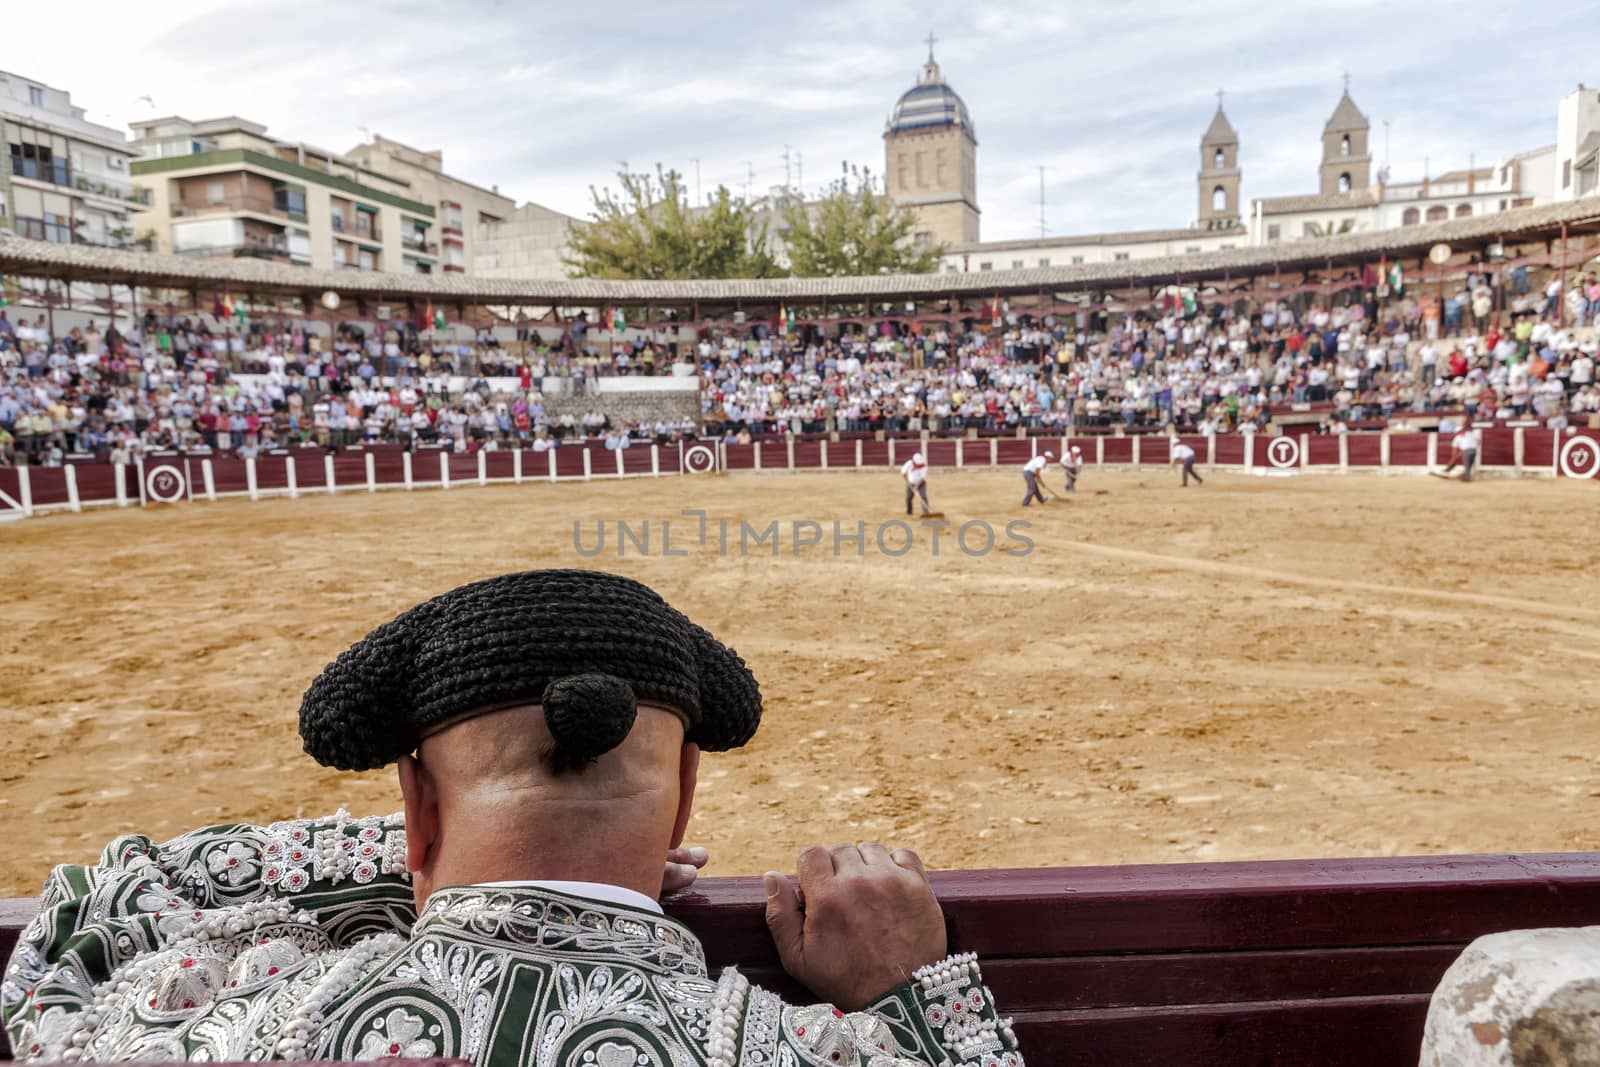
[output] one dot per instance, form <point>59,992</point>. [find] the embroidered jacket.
<point>299,940</point>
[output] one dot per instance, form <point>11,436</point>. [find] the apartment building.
<point>223,187</point>
<point>66,179</point>
<point>468,214</point>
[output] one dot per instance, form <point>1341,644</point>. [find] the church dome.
<point>930,104</point>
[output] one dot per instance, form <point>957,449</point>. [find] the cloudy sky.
<point>1111,97</point>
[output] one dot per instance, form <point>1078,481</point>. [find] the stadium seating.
<point>1328,962</point>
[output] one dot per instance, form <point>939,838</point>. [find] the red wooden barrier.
<point>1408,450</point>
<point>1012,452</point>
<point>1156,448</point>
<point>842,454</point>
<point>1229,451</point>
<point>939,453</point>
<point>974,453</point>
<point>1289,962</point>
<point>740,457</point>
<point>1364,450</point>
<point>808,455</point>
<point>1120,450</point>
<point>876,454</point>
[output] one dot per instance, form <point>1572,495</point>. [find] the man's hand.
<point>683,867</point>
<point>861,920</point>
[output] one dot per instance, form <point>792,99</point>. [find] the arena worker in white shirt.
<point>915,473</point>
<point>1031,471</point>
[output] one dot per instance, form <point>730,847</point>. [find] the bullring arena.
<point>1241,671</point>
<point>1219,774</point>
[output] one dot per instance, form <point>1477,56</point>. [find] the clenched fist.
<point>861,920</point>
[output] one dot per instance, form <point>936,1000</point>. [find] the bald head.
<point>487,801</point>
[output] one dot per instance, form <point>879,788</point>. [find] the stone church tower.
<point>931,161</point>
<point>1219,174</point>
<point>1346,162</point>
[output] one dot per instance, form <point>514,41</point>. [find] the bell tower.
<point>1346,161</point>
<point>1219,175</point>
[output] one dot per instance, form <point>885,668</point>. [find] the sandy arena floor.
<point>1320,666</point>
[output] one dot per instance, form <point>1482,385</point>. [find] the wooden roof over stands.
<point>262,278</point>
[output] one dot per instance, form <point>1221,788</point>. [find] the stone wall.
<point>622,406</point>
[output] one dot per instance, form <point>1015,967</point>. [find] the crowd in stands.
<point>1193,362</point>
<point>1203,367</point>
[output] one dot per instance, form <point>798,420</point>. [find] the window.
<point>1044,262</point>
<point>1344,183</point>
<point>116,162</point>
<point>215,193</point>
<point>1216,160</point>
<point>1274,232</point>
<point>1120,256</point>
<point>1566,173</point>
<point>1192,250</point>
<point>1463,211</point>
<point>1219,199</point>
<point>1411,217</point>
<point>922,239</point>
<point>1438,213</point>
<point>1016,264</point>
<point>35,96</point>
<point>986,266</point>
<point>1077,261</point>
<point>1344,145</point>
<point>290,199</point>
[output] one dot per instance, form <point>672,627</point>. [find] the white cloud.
<point>1112,97</point>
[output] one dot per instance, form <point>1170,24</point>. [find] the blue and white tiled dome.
<point>930,104</point>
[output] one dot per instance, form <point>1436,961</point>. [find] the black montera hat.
<point>585,644</point>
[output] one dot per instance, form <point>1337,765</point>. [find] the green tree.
<point>854,230</point>
<point>649,230</point>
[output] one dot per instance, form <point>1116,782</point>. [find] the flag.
<point>2,292</point>
<point>227,305</point>
<point>619,320</point>
<point>438,316</point>
<point>1188,301</point>
<point>994,314</point>
<point>1397,279</point>
<point>788,322</point>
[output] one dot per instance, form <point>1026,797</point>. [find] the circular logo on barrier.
<point>164,484</point>
<point>699,459</point>
<point>1580,458</point>
<point>1283,452</point>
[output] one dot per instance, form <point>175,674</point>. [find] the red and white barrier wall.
<point>171,478</point>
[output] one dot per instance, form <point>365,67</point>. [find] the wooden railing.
<point>1326,962</point>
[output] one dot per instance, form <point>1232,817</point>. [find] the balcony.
<point>230,205</point>
<point>113,192</point>
<point>272,250</point>
<point>413,242</point>
<point>357,230</point>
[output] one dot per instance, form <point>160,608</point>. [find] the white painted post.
<point>894,463</point>
<point>294,484</point>
<point>858,453</point>
<point>1100,451</point>
<point>1136,449</point>
<point>120,482</point>
<point>755,447</point>
<point>550,457</point>
<point>209,479</point>
<point>1249,452</point>
<point>588,464</point>
<point>516,466</point>
<point>722,455</point>
<point>1433,450</point>
<point>1518,444</point>
<point>372,474</point>
<point>994,452</point>
<point>25,488</point>
<point>618,454</point>
<point>327,473</point>
<point>444,469</point>
<point>961,452</point>
<point>71,471</point>
<point>1383,450</point>
<point>249,481</point>
<point>789,448</point>
<point>1344,451</point>
<point>1305,451</point>
<point>483,467</point>
<point>655,461</point>
<point>823,445</point>
<point>405,466</point>
<point>1211,451</point>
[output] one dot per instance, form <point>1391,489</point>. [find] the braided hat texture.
<point>587,645</point>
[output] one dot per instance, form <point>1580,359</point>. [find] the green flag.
<point>438,319</point>
<point>1188,301</point>
<point>619,320</point>
<point>1397,279</point>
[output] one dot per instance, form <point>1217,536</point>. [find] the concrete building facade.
<point>467,213</point>
<point>225,188</point>
<point>66,179</point>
